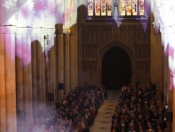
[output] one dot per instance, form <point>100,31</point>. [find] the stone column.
<point>27,80</point>
<point>8,120</point>
<point>43,95</point>
<point>52,63</point>
<point>38,67</point>
<point>60,60</point>
<point>19,78</point>
<point>73,58</point>
<point>153,53</point>
<point>67,63</point>
<point>34,74</point>
<point>39,54</point>
<point>29,111</point>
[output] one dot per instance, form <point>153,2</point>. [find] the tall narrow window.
<point>141,7</point>
<point>128,7</point>
<point>90,8</point>
<point>103,8</point>
<point>134,7</point>
<point>122,7</point>
<point>109,8</point>
<point>97,7</point>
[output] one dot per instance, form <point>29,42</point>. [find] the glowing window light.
<point>97,7</point>
<point>106,7</point>
<point>103,8</point>
<point>90,8</point>
<point>128,7</point>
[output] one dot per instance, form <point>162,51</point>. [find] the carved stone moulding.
<point>120,20</point>
<point>142,64</point>
<point>89,63</point>
<point>130,20</point>
<point>109,20</point>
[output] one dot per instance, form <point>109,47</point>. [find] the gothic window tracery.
<point>132,8</point>
<point>124,7</point>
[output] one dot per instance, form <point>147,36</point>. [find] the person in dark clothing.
<point>115,126</point>
<point>105,94</point>
<point>164,111</point>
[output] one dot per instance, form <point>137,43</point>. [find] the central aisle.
<point>103,119</point>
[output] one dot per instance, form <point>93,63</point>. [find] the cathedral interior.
<point>48,48</point>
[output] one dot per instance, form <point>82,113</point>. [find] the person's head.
<point>149,126</point>
<point>140,117</point>
<point>82,118</point>
<point>158,127</point>
<point>70,122</point>
<point>131,125</point>
<point>132,121</point>
<point>147,117</point>
<point>166,106</point>
<point>42,127</point>
<point>86,117</point>
<point>59,128</point>
<point>150,130</point>
<point>51,127</point>
<point>122,125</point>
<point>155,113</point>
<point>115,121</point>
<point>56,126</point>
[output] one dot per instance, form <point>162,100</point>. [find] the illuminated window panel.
<point>97,7</point>
<point>90,8</point>
<point>109,8</point>
<point>103,7</point>
<point>122,7</point>
<point>141,7</point>
<point>134,7</point>
<point>128,7</point>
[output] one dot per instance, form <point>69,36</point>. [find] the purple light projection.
<point>165,22</point>
<point>8,8</point>
<point>147,13</point>
<point>30,16</point>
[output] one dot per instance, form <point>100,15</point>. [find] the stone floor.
<point>104,117</point>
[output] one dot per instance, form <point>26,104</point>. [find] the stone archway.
<point>124,47</point>
<point>116,68</point>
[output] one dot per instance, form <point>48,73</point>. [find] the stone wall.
<point>98,35</point>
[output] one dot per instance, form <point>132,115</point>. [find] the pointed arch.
<point>103,51</point>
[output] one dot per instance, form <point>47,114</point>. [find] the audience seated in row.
<point>137,111</point>
<point>74,113</point>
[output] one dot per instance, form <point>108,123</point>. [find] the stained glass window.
<point>134,7</point>
<point>90,8</point>
<point>128,7</point>
<point>124,7</point>
<point>109,8</point>
<point>103,8</point>
<point>141,7</point>
<point>97,7</point>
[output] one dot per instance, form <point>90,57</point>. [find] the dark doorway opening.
<point>116,68</point>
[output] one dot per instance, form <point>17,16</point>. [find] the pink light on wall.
<point>165,22</point>
<point>8,9</point>
<point>39,15</point>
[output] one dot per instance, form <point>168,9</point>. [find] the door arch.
<point>126,48</point>
<point>116,68</point>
